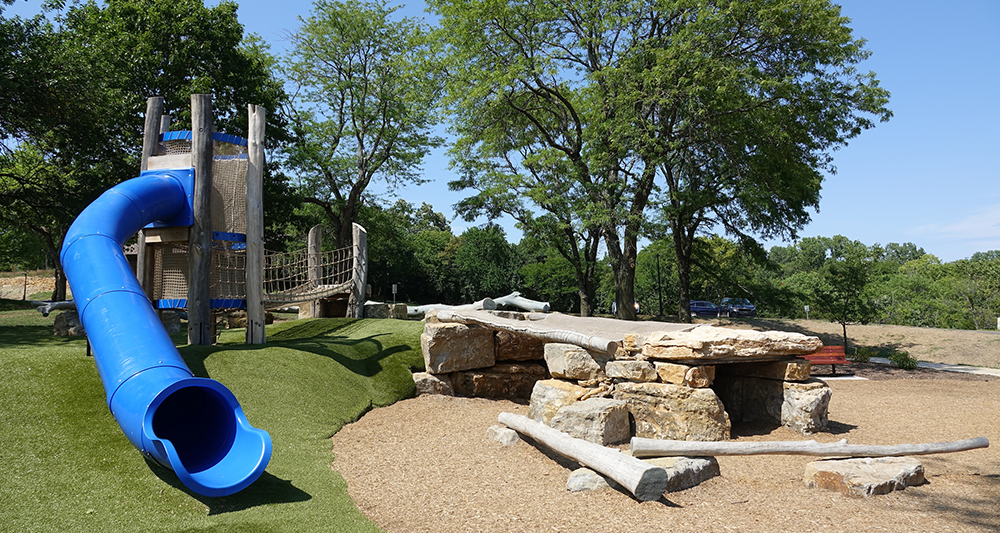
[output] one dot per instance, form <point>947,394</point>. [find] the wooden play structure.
<point>215,260</point>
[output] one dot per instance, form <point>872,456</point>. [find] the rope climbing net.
<point>300,276</point>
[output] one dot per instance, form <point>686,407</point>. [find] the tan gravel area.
<point>426,465</point>
<point>13,288</point>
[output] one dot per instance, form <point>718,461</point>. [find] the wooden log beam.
<point>421,310</point>
<point>643,447</point>
<point>515,299</point>
<point>645,481</point>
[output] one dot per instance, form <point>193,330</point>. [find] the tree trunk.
<point>682,249</point>
<point>844,325</point>
<point>59,291</point>
<point>623,269</point>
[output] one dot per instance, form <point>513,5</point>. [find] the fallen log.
<point>420,310</point>
<point>643,447</point>
<point>645,481</point>
<point>47,307</point>
<point>515,299</point>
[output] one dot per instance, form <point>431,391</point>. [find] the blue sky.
<point>929,176</point>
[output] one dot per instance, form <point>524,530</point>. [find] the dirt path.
<point>426,465</point>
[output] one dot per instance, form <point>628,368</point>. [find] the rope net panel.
<point>300,276</point>
<point>229,194</point>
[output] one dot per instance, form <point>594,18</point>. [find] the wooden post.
<point>314,267</point>
<point>645,481</point>
<point>150,143</point>
<point>356,302</point>
<point>200,243</point>
<point>255,227</point>
<point>151,129</point>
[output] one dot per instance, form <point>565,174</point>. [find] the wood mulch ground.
<point>426,465</point>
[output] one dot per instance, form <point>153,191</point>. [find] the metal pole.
<point>659,289</point>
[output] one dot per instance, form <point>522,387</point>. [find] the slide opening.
<point>199,423</point>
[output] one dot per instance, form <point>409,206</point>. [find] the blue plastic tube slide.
<point>194,426</point>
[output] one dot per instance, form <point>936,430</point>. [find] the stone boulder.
<point>376,310</point>
<point>631,370</point>
<point>675,412</point>
<point>431,384</point>
<point>864,476</point>
<point>599,420</point>
<point>686,472</point>
<point>550,395</point>
<point>586,480</point>
<point>398,311</point>
<point>573,362</point>
<point>449,347</point>
<point>505,436</point>
<point>698,377</point>
<point>67,324</point>
<point>512,347</point>
<point>502,381</point>
<point>710,342</point>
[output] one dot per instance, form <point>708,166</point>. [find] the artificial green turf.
<point>66,466</point>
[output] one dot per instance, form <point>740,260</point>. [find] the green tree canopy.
<point>718,113</point>
<point>102,63</point>
<point>364,109</point>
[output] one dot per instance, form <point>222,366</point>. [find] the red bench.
<point>829,355</point>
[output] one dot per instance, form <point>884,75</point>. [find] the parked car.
<point>704,308</point>
<point>738,307</point>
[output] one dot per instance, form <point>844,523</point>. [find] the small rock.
<point>585,479</point>
<point>504,436</point>
<point>864,476</point>
<point>571,362</point>
<point>686,472</point>
<point>431,384</point>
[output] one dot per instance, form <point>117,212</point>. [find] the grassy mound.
<point>67,466</point>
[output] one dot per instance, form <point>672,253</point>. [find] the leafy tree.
<point>103,61</point>
<point>548,276</point>
<point>364,108</point>
<point>847,272</point>
<point>719,113</point>
<point>486,262</point>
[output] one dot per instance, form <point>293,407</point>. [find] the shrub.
<point>862,354</point>
<point>902,359</point>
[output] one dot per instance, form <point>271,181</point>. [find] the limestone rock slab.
<point>686,472</point>
<point>573,362</point>
<point>805,406</point>
<point>631,370</point>
<point>864,477</point>
<point>711,342</point>
<point>376,310</point>
<point>690,376</point>
<point>502,381</point>
<point>549,395</point>
<point>668,411</point>
<point>599,420</point>
<point>513,347</point>
<point>449,347</point>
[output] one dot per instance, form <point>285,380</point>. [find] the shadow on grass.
<point>34,336</point>
<point>361,356</point>
<point>267,490</point>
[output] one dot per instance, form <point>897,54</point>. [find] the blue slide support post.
<point>194,426</point>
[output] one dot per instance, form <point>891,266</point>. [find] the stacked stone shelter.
<point>682,383</point>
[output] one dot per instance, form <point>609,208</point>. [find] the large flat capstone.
<point>864,477</point>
